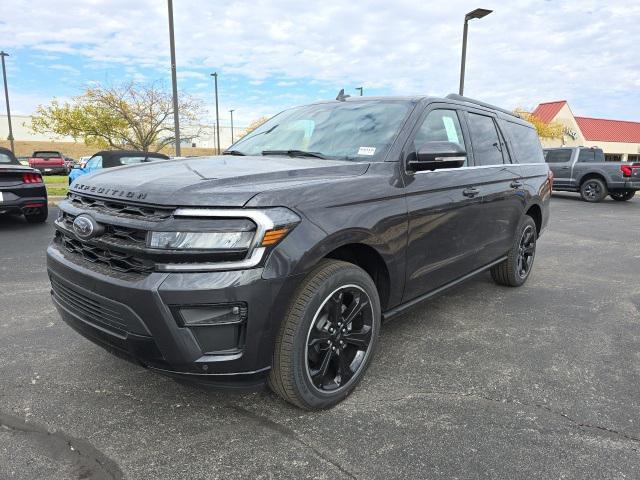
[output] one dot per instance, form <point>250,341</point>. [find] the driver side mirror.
<point>436,155</point>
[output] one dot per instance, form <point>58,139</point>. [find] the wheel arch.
<point>535,212</point>
<point>590,175</point>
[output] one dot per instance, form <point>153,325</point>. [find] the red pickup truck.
<point>48,162</point>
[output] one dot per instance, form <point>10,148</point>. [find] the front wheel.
<point>328,336</point>
<point>515,270</point>
<point>622,196</point>
<point>593,190</point>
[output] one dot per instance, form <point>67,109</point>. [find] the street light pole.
<point>6,97</point>
<point>361,90</point>
<point>231,112</point>
<point>477,13</point>
<point>215,79</point>
<point>174,81</point>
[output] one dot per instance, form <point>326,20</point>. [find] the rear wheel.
<point>515,270</point>
<point>39,217</point>
<point>622,196</point>
<point>593,190</point>
<point>328,336</point>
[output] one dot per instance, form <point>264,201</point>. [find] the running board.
<point>389,314</point>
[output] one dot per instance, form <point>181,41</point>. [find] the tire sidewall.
<point>350,275</point>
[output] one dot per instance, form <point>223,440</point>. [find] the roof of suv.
<point>451,98</point>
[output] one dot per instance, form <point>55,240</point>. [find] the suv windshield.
<point>356,130</point>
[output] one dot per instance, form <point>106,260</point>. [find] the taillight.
<point>31,178</point>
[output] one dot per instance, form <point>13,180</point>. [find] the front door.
<point>443,208</point>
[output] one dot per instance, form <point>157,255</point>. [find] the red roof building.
<point>619,139</point>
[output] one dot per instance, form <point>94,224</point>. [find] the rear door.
<point>499,183</point>
<point>443,207</point>
<point>559,160</point>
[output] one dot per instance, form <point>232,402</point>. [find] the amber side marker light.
<point>272,237</point>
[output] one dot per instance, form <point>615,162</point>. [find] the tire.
<point>514,272</point>
<point>622,196</point>
<point>312,335</point>
<point>39,217</point>
<point>593,190</point>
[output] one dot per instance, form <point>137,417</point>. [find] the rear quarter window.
<point>558,156</point>
<point>525,142</point>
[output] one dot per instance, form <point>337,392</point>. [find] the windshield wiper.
<point>233,152</point>
<point>294,153</point>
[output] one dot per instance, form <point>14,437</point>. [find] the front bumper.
<point>135,318</point>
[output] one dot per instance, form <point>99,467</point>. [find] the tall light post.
<point>215,80</point>
<point>6,97</point>
<point>477,13</point>
<point>361,90</point>
<point>231,112</point>
<point>174,80</point>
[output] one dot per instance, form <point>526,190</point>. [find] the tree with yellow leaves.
<point>545,130</point>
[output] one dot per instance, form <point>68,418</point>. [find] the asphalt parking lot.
<point>481,382</point>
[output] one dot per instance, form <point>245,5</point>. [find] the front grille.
<point>111,207</point>
<point>114,234</point>
<point>116,260</point>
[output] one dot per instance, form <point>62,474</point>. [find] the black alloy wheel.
<point>622,196</point>
<point>526,251</point>
<point>516,268</point>
<point>328,336</point>
<point>339,338</point>
<point>593,190</point>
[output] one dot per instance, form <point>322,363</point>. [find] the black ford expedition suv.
<point>278,261</point>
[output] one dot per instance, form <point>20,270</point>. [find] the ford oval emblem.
<point>86,227</point>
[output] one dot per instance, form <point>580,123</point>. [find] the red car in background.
<point>49,162</point>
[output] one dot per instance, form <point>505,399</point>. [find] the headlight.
<point>201,240</point>
<point>250,233</point>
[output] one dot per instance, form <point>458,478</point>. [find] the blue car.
<point>114,158</point>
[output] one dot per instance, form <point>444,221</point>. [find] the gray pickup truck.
<point>584,170</point>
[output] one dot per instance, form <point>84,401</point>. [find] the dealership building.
<point>619,139</point>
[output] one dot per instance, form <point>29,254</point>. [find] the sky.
<point>271,55</point>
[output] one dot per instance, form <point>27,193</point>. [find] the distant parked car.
<point>48,162</point>
<point>21,189</point>
<point>114,158</point>
<point>23,160</point>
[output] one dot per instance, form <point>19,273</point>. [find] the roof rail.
<point>460,98</point>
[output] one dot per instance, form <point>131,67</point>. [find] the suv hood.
<point>222,181</point>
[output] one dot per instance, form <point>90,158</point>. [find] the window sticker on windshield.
<point>450,127</point>
<point>367,151</point>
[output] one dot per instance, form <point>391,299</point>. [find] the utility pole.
<point>231,112</point>
<point>477,13</point>
<point>174,81</point>
<point>215,79</point>
<point>6,97</point>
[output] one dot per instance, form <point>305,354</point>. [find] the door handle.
<point>564,168</point>
<point>470,192</point>
<point>516,184</point>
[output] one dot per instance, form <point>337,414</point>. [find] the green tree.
<point>130,115</point>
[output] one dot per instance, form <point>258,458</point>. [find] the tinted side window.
<point>558,156</point>
<point>439,126</point>
<point>6,158</point>
<point>487,148</point>
<point>525,142</point>
<point>586,156</point>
